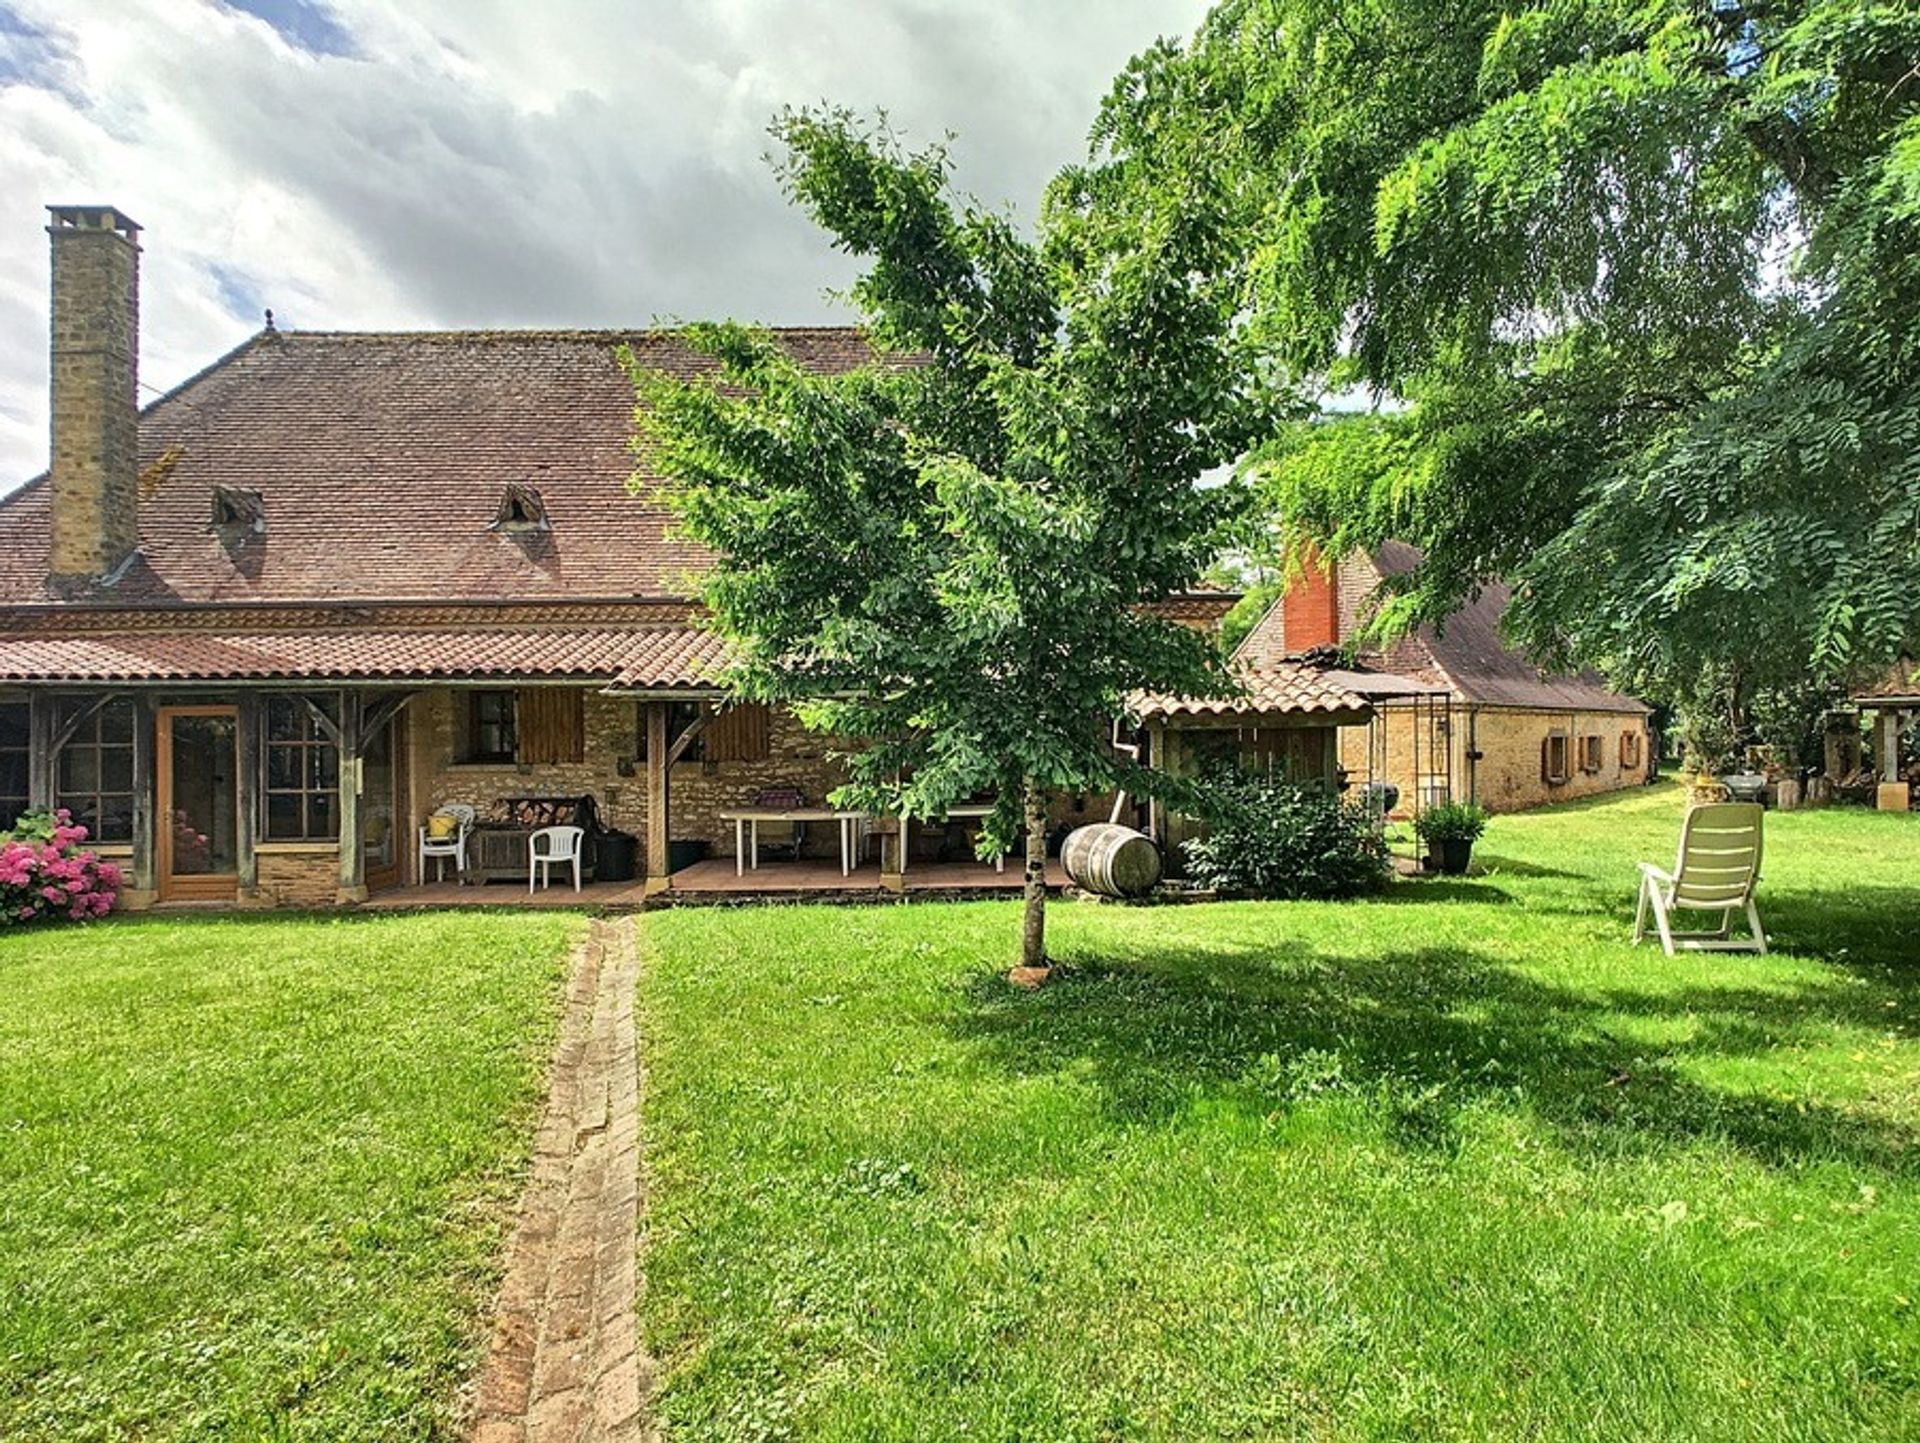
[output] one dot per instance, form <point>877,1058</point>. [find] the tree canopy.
<point>1639,281</point>
<point>948,556</point>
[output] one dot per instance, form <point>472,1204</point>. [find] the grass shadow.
<point>1492,864</point>
<point>1428,1034</point>
<point>1407,891</point>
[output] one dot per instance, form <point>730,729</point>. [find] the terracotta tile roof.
<point>1200,609</point>
<point>1283,687</point>
<point>641,657</point>
<point>382,459</point>
<point>1901,683</point>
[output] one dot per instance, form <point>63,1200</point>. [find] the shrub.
<point>1451,822</point>
<point>45,874</point>
<point>1276,839</point>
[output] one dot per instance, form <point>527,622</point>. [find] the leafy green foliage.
<point>945,556</point>
<point>1642,279</point>
<point>1270,838</point>
<point>1452,822</point>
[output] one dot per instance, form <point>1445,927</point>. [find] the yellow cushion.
<point>442,826</point>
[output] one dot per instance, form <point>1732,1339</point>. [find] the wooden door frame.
<point>381,879</point>
<point>210,886</point>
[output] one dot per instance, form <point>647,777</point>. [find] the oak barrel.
<point>1112,860</point>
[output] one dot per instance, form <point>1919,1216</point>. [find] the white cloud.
<point>593,162</point>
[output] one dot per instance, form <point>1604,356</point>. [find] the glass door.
<point>381,782</point>
<point>198,832</point>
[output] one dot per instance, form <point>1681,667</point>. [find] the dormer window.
<point>238,510</point>
<point>521,509</point>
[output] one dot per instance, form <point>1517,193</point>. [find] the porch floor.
<point>716,878</point>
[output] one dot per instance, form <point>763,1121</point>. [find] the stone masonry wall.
<point>307,877</point>
<point>698,790</point>
<point>1507,776</point>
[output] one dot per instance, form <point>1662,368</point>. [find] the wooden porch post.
<point>247,817</point>
<point>353,853</point>
<point>42,719</point>
<point>659,829</point>
<point>1158,758</point>
<point>142,888</point>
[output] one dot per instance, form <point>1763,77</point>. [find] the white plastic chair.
<point>438,849</point>
<point>550,847</point>
<point>1718,866</point>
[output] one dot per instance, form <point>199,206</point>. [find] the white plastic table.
<point>746,832</point>
<point>965,809</point>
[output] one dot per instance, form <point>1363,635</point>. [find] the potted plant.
<point>1450,830</point>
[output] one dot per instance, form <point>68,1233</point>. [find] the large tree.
<point>1639,281</point>
<point>948,557</point>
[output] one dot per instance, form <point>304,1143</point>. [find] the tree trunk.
<point>1033,930</point>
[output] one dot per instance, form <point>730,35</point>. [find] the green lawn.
<point>255,1174</point>
<point>1458,1163</point>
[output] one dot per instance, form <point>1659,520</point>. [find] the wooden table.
<point>746,832</point>
<point>965,809</point>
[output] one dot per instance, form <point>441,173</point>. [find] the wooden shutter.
<point>552,725</point>
<point>1555,763</point>
<point>738,734</point>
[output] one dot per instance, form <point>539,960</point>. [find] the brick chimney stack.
<point>1312,613</point>
<point>95,467</point>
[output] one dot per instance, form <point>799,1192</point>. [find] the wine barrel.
<point>1112,860</point>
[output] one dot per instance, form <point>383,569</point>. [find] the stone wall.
<point>698,791</point>
<point>612,739</point>
<point>296,875</point>
<point>611,769</point>
<point>1507,775</point>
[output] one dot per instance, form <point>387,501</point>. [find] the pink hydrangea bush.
<point>46,875</point>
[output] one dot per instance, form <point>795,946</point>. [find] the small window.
<point>302,783</point>
<point>1592,754</point>
<point>1632,751</point>
<point>491,726</point>
<point>522,508</point>
<point>13,762</point>
<point>680,716</point>
<point>1554,767</point>
<point>94,778</point>
<point>238,509</point>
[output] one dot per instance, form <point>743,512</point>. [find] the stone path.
<point>565,1364</point>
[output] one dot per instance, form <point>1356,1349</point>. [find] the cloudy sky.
<point>401,163</point>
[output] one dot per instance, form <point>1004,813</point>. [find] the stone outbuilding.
<point>1490,727</point>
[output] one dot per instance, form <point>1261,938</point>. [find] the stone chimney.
<point>95,470</point>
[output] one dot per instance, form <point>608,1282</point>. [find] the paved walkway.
<point>565,1365</point>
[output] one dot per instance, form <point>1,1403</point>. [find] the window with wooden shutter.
<point>552,725</point>
<point>489,727</point>
<point>1592,754</point>
<point>1630,752</point>
<point>1553,759</point>
<point>738,734</point>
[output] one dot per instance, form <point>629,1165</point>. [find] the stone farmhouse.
<point>256,632</point>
